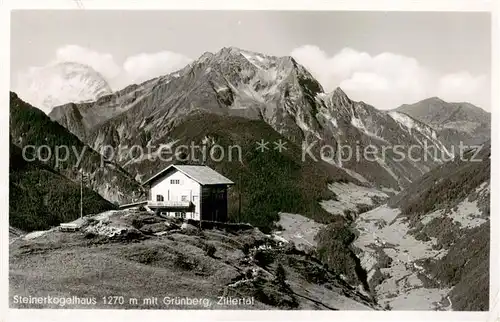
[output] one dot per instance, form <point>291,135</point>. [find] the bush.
<point>266,292</point>
<point>90,235</point>
<point>280,275</point>
<point>246,249</point>
<point>183,262</point>
<point>263,258</point>
<point>333,250</point>
<point>210,250</point>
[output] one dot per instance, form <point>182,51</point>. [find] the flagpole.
<point>81,195</point>
<point>239,197</point>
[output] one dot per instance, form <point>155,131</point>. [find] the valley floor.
<point>416,265</point>
<point>391,257</point>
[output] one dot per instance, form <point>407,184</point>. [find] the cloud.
<point>42,85</point>
<point>146,66</point>
<point>388,80</point>
<point>367,81</point>
<point>104,63</point>
<point>462,86</point>
<point>136,69</point>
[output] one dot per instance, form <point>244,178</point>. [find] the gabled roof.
<point>199,173</point>
<point>133,204</point>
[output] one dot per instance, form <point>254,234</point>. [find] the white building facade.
<point>189,192</point>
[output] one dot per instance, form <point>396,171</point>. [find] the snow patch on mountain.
<point>305,127</point>
<point>466,214</point>
<point>389,191</point>
<point>412,126</point>
<point>261,86</point>
<point>356,122</point>
<point>383,164</point>
<point>256,59</point>
<point>363,125</point>
<point>221,89</point>
<point>466,126</point>
<point>356,175</point>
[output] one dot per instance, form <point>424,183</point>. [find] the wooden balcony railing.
<point>169,204</point>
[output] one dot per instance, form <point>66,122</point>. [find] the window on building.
<point>159,198</point>
<point>180,215</point>
<point>174,181</point>
<point>184,198</point>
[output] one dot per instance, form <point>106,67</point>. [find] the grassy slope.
<point>175,264</point>
<point>466,265</point>
<point>40,198</point>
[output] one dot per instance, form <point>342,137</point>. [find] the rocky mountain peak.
<point>341,95</point>
<point>231,50</point>
<point>337,98</point>
<point>434,100</point>
<point>455,122</point>
<point>206,56</point>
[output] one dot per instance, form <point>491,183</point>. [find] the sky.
<point>382,58</point>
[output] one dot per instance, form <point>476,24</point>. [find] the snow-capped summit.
<point>62,83</point>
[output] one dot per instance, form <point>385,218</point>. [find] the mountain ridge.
<point>278,90</point>
<point>455,122</point>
